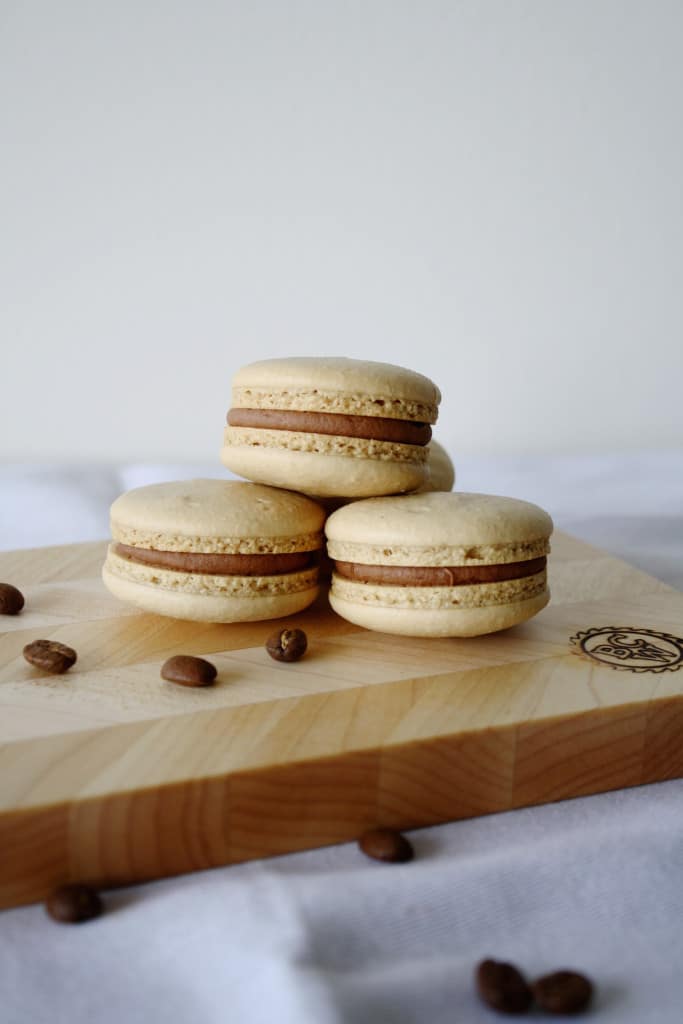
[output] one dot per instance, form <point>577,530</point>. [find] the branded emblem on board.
<point>631,649</point>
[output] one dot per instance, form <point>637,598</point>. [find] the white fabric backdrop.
<point>328,937</point>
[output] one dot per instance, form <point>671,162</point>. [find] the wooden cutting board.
<point>110,775</point>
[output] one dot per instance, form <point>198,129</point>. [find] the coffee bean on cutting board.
<point>287,644</point>
<point>50,656</point>
<point>187,670</point>
<point>387,845</point>
<point>563,992</point>
<point>73,904</point>
<point>11,599</point>
<point>502,987</point>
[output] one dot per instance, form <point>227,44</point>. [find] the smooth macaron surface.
<point>439,563</point>
<point>440,469</point>
<point>215,550</point>
<point>440,477</point>
<point>331,427</point>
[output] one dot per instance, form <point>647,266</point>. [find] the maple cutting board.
<point>110,775</point>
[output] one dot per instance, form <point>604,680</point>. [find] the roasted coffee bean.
<point>188,671</point>
<point>73,904</point>
<point>502,987</point>
<point>50,656</point>
<point>287,644</point>
<point>11,599</point>
<point>386,844</point>
<point>563,992</point>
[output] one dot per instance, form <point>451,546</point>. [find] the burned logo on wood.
<point>631,649</point>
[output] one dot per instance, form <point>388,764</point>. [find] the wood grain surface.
<point>110,775</point>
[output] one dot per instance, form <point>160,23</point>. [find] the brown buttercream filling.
<point>371,428</point>
<point>220,565</point>
<point>438,575</point>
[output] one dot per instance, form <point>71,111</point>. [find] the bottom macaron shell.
<point>439,622</point>
<point>208,598</point>
<point>208,607</point>
<point>324,474</point>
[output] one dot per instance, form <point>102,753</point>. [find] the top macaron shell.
<point>219,516</point>
<point>438,528</point>
<point>337,385</point>
<point>202,546</point>
<point>330,464</point>
<point>439,531</point>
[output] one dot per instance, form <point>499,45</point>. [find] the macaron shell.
<point>337,385</point>
<point>217,516</point>
<point>206,606</point>
<point>326,473</point>
<point>444,622</point>
<point>438,528</point>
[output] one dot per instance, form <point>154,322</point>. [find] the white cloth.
<point>328,937</point>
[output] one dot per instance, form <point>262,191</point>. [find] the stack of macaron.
<point>314,435</point>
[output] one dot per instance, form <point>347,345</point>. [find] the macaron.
<point>440,469</point>
<point>215,550</point>
<point>331,427</point>
<point>440,477</point>
<point>439,563</point>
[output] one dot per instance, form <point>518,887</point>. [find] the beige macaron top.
<point>215,516</point>
<point>354,387</point>
<point>438,528</point>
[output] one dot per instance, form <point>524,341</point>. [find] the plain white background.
<point>487,191</point>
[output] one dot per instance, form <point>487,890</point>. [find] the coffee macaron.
<point>215,550</point>
<point>439,564</point>
<point>440,477</point>
<point>331,427</point>
<point>440,469</point>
